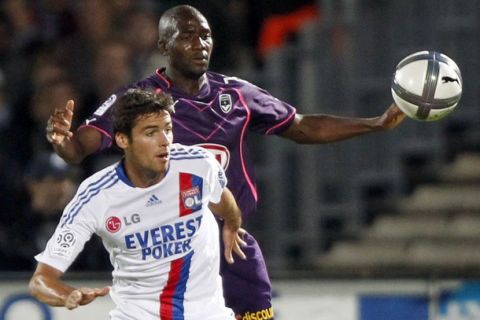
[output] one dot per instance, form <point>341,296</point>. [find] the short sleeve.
<point>217,179</point>
<point>269,115</point>
<point>101,119</point>
<point>73,231</point>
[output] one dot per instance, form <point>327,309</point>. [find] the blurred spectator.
<point>55,50</point>
<point>5,107</point>
<point>22,17</point>
<point>146,55</point>
<point>28,132</point>
<point>111,68</point>
<point>10,183</point>
<point>56,18</point>
<point>50,184</point>
<point>95,27</point>
<point>6,35</point>
<point>24,39</point>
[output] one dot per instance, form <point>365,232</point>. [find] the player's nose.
<point>165,138</point>
<point>199,43</point>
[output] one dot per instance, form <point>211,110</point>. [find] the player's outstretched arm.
<point>72,148</point>
<point>228,209</point>
<point>322,128</point>
<point>46,286</point>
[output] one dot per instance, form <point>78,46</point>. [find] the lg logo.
<point>134,218</point>
<point>113,223</point>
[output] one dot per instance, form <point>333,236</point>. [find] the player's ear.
<point>122,140</point>
<point>162,46</point>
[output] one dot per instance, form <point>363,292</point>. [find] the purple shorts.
<point>246,285</point>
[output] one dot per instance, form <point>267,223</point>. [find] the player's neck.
<point>189,85</point>
<point>142,178</point>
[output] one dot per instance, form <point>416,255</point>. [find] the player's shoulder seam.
<point>227,81</point>
<point>180,152</point>
<point>88,191</point>
<point>99,179</point>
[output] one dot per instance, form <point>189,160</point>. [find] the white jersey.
<point>163,240</point>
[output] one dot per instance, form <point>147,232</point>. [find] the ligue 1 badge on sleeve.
<point>225,102</point>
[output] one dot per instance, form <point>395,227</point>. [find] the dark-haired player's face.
<point>191,45</point>
<point>147,151</point>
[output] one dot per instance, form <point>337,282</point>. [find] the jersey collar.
<point>204,90</point>
<point>122,175</point>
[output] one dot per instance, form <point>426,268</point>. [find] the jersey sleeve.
<point>268,115</point>
<point>217,180</point>
<point>74,229</point>
<point>101,119</point>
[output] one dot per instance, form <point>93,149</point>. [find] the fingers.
<point>239,236</point>
<point>228,250</point>
<point>70,106</point>
<point>59,123</point>
<point>233,243</point>
<point>84,296</point>
<point>73,299</point>
<point>238,250</point>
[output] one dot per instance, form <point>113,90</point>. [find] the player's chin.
<point>199,67</point>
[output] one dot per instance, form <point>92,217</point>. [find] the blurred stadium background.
<point>388,222</point>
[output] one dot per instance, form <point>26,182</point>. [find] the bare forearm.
<point>228,210</point>
<point>317,129</point>
<point>321,128</point>
<point>85,142</point>
<point>49,290</point>
<point>70,151</point>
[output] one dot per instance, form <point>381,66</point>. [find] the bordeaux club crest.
<point>225,102</point>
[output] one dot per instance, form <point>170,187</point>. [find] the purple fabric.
<point>247,288</point>
<point>220,115</point>
<point>219,118</point>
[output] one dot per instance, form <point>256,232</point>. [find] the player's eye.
<point>186,36</point>
<point>206,36</point>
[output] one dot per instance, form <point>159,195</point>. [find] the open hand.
<point>232,239</point>
<point>392,117</point>
<point>82,296</point>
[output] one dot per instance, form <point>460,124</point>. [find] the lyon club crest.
<point>225,102</point>
<point>191,187</point>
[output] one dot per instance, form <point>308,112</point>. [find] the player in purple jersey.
<point>216,111</point>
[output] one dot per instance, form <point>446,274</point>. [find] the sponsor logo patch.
<point>113,224</point>
<point>64,244</point>
<point>106,105</point>
<point>225,102</point>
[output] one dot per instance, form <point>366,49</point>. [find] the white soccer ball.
<point>427,85</point>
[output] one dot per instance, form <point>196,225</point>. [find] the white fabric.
<point>148,240</point>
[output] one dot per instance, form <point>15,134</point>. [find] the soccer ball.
<point>427,85</point>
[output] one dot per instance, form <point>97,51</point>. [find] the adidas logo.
<point>153,200</point>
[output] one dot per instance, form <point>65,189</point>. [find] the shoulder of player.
<point>100,180</point>
<point>182,152</point>
<point>227,81</point>
<point>151,82</point>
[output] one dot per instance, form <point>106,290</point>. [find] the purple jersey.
<point>217,119</point>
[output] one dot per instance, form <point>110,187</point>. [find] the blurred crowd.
<point>55,50</point>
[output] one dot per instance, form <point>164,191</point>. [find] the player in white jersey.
<point>153,211</point>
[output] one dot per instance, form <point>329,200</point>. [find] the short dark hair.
<point>137,103</point>
<point>167,25</point>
